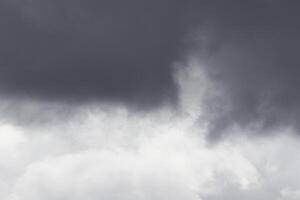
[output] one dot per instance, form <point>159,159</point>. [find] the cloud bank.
<point>112,153</point>
<point>122,100</point>
<point>124,52</point>
<point>78,51</point>
<point>249,50</point>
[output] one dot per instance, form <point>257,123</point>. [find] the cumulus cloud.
<point>112,153</point>
<point>161,162</point>
<point>232,78</point>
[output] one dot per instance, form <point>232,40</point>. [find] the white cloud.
<point>171,165</point>
<point>289,194</point>
<point>111,154</point>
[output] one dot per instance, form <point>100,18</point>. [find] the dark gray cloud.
<point>89,50</point>
<point>254,58</point>
<point>122,51</point>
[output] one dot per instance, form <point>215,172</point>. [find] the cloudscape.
<point>149,100</point>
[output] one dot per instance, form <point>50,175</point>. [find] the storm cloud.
<point>250,51</point>
<point>149,99</point>
<point>124,52</point>
<point>90,50</point>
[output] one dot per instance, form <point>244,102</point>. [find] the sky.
<point>149,100</point>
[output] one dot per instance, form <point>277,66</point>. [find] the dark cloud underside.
<point>256,61</point>
<point>90,50</point>
<point>122,51</point>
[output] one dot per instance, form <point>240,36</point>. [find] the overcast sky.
<point>149,100</point>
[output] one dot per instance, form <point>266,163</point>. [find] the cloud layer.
<point>124,52</point>
<point>249,51</point>
<point>213,71</point>
<point>90,50</point>
<point>112,153</point>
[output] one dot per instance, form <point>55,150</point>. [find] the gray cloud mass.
<point>149,99</point>
<point>123,51</point>
<point>254,59</point>
<point>89,50</point>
